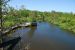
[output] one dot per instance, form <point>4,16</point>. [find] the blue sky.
<point>45,5</point>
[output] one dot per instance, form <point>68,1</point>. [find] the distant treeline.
<point>62,19</point>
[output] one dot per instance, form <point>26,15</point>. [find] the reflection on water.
<point>30,35</point>
<point>31,32</point>
<point>26,35</point>
<point>43,37</point>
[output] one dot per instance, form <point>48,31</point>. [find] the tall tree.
<point>3,4</point>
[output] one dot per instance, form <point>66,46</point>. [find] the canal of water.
<point>43,37</point>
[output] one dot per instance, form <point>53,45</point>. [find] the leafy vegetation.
<point>3,4</point>
<point>63,20</point>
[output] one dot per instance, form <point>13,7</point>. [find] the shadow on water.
<point>10,43</point>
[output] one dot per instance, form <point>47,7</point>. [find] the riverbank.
<point>65,26</point>
<point>26,24</point>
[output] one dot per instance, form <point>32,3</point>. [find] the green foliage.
<point>63,20</point>
<point>8,23</point>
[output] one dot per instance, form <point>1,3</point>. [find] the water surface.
<point>43,37</point>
